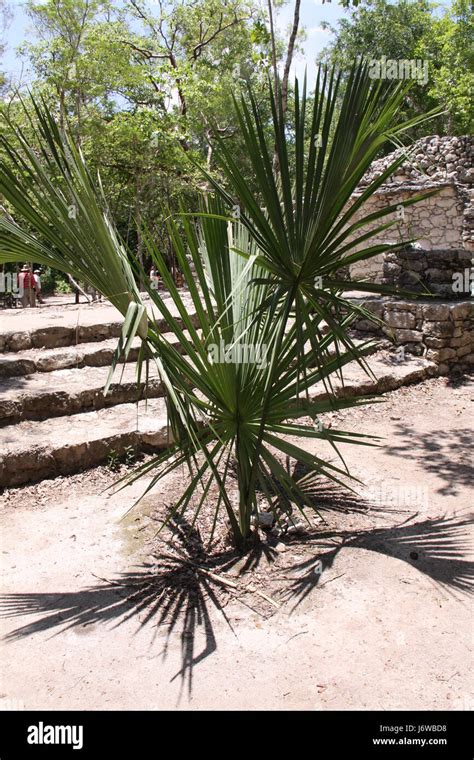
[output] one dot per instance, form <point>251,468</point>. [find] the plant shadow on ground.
<point>445,455</point>
<point>177,590</point>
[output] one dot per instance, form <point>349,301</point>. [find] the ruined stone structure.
<point>439,263</point>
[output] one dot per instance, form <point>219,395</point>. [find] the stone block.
<point>408,336</point>
<point>461,310</point>
<point>400,319</point>
<point>435,342</point>
<point>19,341</point>
<point>436,312</point>
<point>440,355</point>
<point>52,337</point>
<point>464,340</point>
<point>463,351</point>
<point>438,329</point>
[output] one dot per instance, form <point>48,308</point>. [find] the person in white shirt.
<point>36,275</point>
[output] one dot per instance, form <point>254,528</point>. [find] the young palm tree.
<point>263,272</point>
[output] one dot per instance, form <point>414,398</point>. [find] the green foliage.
<point>410,30</point>
<point>61,285</point>
<point>53,281</point>
<point>113,461</point>
<point>129,455</point>
<point>267,277</point>
<point>140,87</point>
<point>453,72</point>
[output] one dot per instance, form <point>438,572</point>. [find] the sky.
<point>313,12</point>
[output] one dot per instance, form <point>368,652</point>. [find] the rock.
<point>466,339</point>
<point>437,275</point>
<point>463,351</point>
<point>263,519</point>
<point>52,337</point>
<point>435,342</point>
<point>438,329</point>
<point>297,528</point>
<point>19,341</point>
<point>401,319</point>
<point>16,367</point>
<point>440,355</point>
<point>414,348</point>
<point>408,336</point>
<point>60,360</point>
<point>461,310</point>
<point>364,325</point>
<point>436,312</point>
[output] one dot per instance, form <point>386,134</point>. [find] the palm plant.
<point>263,271</point>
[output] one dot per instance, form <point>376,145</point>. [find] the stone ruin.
<point>439,263</point>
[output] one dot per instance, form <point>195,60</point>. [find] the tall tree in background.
<point>5,16</point>
<point>141,85</point>
<point>415,29</point>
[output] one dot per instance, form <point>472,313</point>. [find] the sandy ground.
<point>387,625</point>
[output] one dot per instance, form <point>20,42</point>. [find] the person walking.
<point>26,282</point>
<point>37,278</point>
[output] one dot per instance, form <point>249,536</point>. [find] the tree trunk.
<point>138,222</point>
<point>289,56</point>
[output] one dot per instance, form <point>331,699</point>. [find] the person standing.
<point>37,278</point>
<point>154,278</point>
<point>26,282</point>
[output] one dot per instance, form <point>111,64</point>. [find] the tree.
<point>266,277</point>
<point>5,16</point>
<point>141,90</point>
<point>410,30</point>
<point>452,82</point>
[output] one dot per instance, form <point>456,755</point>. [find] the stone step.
<point>33,450</point>
<point>70,391</point>
<point>98,354</point>
<point>390,373</point>
<point>76,386</point>
<point>61,335</point>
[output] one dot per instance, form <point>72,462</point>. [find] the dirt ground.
<point>365,610</point>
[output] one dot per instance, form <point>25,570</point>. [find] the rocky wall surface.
<point>441,332</point>
<point>437,223</point>
<point>445,273</point>
<point>443,222</point>
<point>433,157</point>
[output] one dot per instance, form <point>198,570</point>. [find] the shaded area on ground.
<point>175,591</point>
<point>444,454</point>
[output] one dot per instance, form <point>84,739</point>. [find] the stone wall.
<point>434,157</point>
<point>442,332</point>
<point>437,222</point>
<point>443,222</point>
<point>445,273</point>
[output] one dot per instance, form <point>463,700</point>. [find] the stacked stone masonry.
<point>444,272</point>
<point>440,332</point>
<point>442,222</point>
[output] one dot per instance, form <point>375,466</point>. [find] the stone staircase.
<point>55,419</point>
